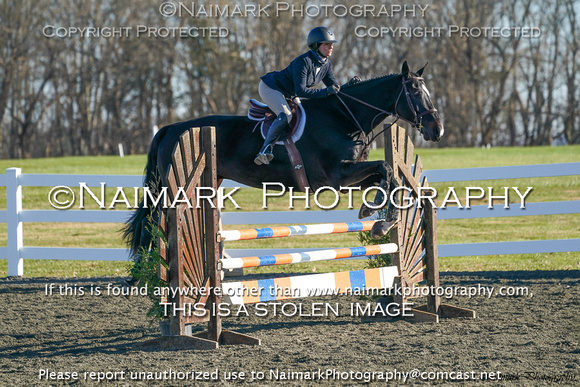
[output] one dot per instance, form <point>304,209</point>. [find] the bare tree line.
<point>74,95</point>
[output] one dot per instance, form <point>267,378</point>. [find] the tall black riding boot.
<point>278,127</point>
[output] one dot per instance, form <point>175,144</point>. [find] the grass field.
<point>450,231</point>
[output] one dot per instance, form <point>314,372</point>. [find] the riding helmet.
<point>320,35</point>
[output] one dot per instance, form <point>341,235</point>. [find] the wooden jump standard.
<point>416,233</point>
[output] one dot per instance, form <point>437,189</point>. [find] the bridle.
<point>418,116</point>
<point>418,121</point>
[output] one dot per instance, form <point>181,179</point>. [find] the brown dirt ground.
<point>534,340</point>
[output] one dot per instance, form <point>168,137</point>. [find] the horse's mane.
<point>367,81</point>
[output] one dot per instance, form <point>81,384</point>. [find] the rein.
<point>418,117</point>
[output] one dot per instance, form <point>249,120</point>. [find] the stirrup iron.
<point>266,153</point>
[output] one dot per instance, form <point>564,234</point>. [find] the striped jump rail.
<point>310,285</point>
<point>308,256</point>
<point>288,231</point>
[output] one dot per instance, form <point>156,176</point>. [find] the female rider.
<point>297,80</point>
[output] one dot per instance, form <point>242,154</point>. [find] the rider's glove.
<point>331,90</point>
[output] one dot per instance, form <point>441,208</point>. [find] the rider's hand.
<point>332,90</point>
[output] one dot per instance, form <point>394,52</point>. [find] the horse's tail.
<point>136,232</point>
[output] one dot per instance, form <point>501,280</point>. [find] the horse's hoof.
<point>262,158</point>
<point>381,228</point>
<point>365,212</point>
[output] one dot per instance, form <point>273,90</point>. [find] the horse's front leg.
<point>372,174</point>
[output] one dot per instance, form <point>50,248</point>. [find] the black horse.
<point>334,146</point>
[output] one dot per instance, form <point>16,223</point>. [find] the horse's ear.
<point>405,69</point>
<point>420,72</point>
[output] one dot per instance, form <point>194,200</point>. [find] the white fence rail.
<point>15,216</point>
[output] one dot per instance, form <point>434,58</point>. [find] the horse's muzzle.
<point>433,135</point>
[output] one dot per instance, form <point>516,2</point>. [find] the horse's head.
<point>415,106</point>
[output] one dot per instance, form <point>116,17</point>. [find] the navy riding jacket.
<point>301,75</point>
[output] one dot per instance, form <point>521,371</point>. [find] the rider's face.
<point>325,49</point>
